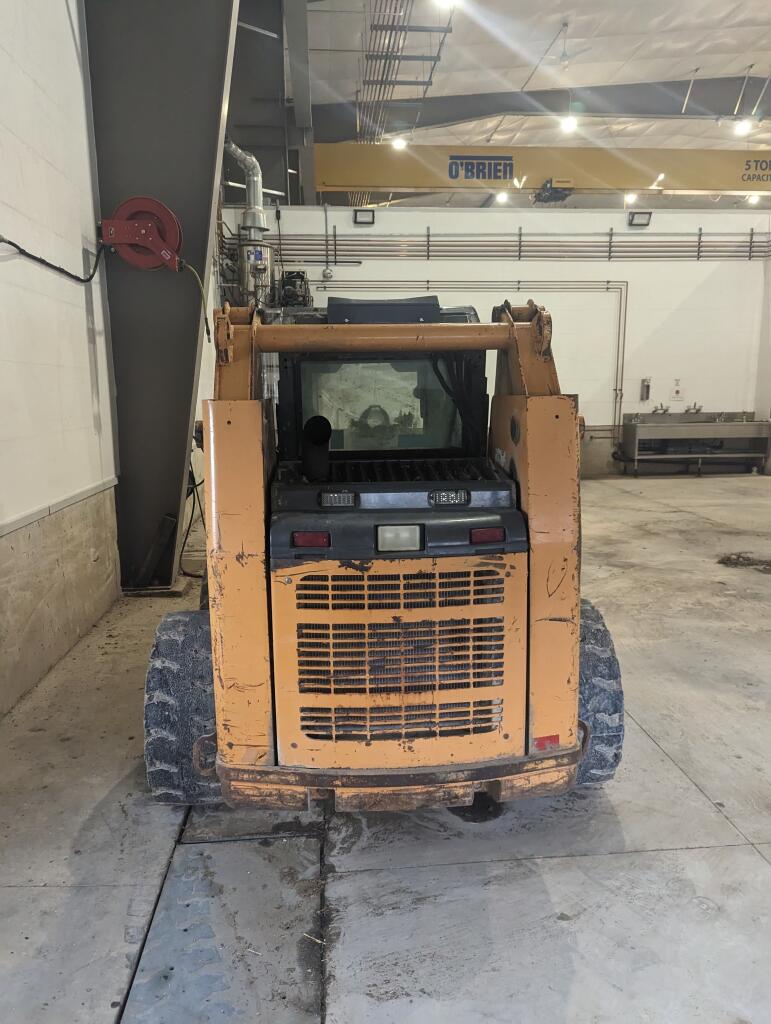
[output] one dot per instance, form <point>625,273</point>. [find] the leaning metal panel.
<point>160,76</point>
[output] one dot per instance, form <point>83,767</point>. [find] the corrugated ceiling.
<point>495,44</point>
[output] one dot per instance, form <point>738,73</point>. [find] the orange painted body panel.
<point>544,458</point>
<point>449,680</point>
<point>238,598</point>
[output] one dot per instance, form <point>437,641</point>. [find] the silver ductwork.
<point>254,214</point>
<point>255,256</point>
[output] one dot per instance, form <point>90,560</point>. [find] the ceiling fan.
<point>564,58</point>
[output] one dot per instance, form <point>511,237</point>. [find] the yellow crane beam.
<point>350,166</point>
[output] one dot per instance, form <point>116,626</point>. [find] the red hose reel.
<point>145,233</point>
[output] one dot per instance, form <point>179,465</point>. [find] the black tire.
<point>601,699</point>
<point>179,707</point>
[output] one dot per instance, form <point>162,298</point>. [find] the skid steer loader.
<point>393,617</point>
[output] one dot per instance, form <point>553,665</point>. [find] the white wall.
<point>55,410</point>
<point>696,322</point>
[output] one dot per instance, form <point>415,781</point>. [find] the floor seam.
<point>151,918</point>
<point>339,872</point>
<point>253,837</point>
<point>693,782</point>
<point>73,885</point>
<point>323,915</point>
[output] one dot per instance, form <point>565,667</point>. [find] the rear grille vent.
<point>400,657</point>
<point>374,591</point>
<point>413,721</point>
<point>406,470</point>
<point>395,470</point>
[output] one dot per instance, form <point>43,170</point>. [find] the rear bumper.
<point>294,788</point>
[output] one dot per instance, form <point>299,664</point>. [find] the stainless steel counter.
<point>694,439</point>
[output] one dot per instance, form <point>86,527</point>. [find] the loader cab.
<point>384,453</point>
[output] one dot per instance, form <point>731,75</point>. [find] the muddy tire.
<point>601,699</point>
<point>179,707</point>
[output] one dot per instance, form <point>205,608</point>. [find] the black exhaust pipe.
<point>315,449</point>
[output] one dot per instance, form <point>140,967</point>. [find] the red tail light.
<point>310,539</point>
<point>487,535</point>
<point>546,742</point>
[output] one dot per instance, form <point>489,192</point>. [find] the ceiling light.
<point>399,143</point>
<point>568,124</point>
<point>753,200</point>
<point>501,197</point>
<point>630,198</point>
<point>447,3</point>
<point>743,127</point>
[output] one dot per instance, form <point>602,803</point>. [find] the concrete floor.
<point>648,901</point>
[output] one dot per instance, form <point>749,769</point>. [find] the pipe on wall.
<point>254,212</point>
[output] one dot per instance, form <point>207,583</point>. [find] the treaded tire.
<point>601,699</point>
<point>179,707</point>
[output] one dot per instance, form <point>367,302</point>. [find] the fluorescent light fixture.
<point>399,142</point>
<point>639,218</point>
<point>267,191</point>
<point>743,127</point>
<point>501,197</point>
<point>753,200</point>
<point>569,124</point>
<point>630,198</point>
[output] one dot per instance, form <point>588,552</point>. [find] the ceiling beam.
<point>350,167</point>
<point>708,98</point>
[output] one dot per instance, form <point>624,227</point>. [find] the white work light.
<point>398,538</point>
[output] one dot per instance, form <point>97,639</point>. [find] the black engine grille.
<point>372,591</point>
<point>400,657</point>
<point>364,471</point>
<point>412,721</point>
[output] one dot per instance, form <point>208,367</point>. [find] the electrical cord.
<point>90,277</point>
<point>187,266</point>
<point>54,266</point>
<point>192,488</point>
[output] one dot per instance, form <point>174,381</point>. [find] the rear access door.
<point>400,663</point>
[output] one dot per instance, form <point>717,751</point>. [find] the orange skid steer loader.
<point>393,616</point>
